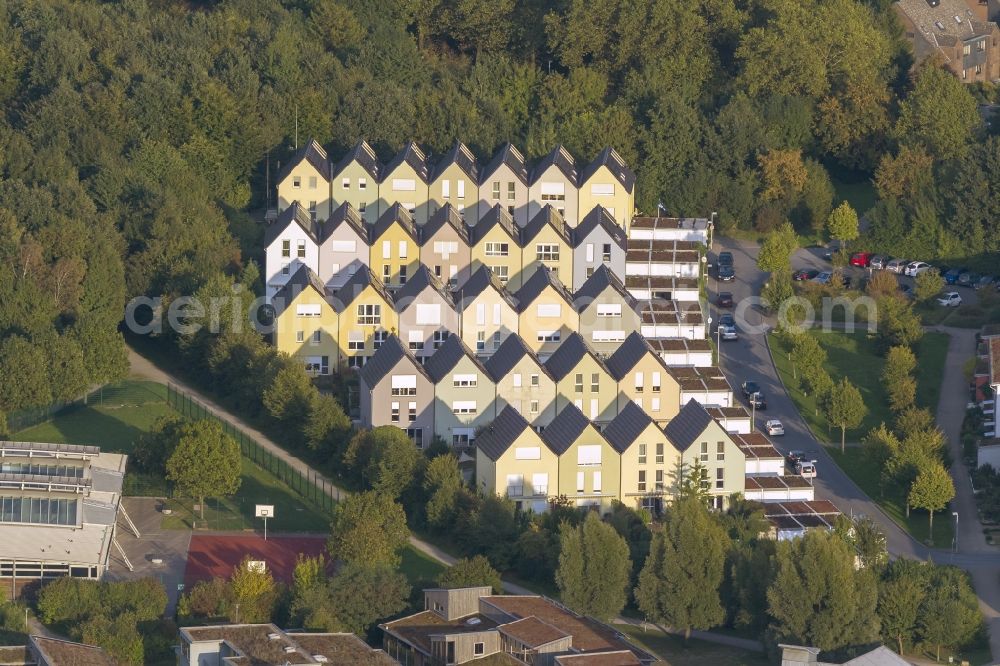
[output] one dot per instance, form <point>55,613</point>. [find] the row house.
<point>464,392</point>
<point>672,319</point>
<point>583,380</point>
<point>696,229</point>
<point>663,258</point>
<point>546,315</point>
<point>423,186</point>
<point>395,244</point>
<point>523,382</point>
<point>607,312</point>
<point>644,379</point>
<point>663,287</point>
<point>631,459</point>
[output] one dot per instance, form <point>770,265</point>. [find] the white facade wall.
<point>669,269</point>
<point>276,263</point>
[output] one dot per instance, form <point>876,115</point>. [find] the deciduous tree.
<point>931,490</point>
<point>845,408</point>
<point>471,572</point>
<point>205,462</point>
<point>842,224</point>
<point>369,529</point>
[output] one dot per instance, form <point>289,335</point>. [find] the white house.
<point>670,319</point>
<point>670,258</point>
<point>290,241</point>
<point>665,287</point>
<point>683,351</point>
<point>695,229</point>
<point>707,386</point>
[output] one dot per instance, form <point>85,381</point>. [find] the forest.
<point>137,137</point>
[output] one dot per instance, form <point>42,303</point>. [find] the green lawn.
<point>418,567</point>
<point>861,195</point>
<point>673,650</point>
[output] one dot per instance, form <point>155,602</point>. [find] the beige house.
<point>609,183</point>
<point>496,244</point>
<point>504,182</point>
<point>583,380</point>
<point>305,324</point>
<point>365,317</point>
<point>512,460</point>
<point>589,467</point>
<point>554,181</point>
<point>394,389</point>
<point>445,247</point>
<point>487,312</point>
<point>405,181</point>
<point>523,382</point>
<point>546,241</point>
<point>394,253</point>
<point>464,393</point>
<point>455,181</point>
<point>545,312</point>
<point>644,379</point>
<point>306,179</point>
<point>649,460</point>
<point>355,180</point>
<point>426,311</point>
<point>704,442</point>
<point>608,313</point>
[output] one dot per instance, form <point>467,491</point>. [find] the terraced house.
<point>504,182</point>
<point>305,323</point>
<point>598,241</point>
<point>464,392</point>
<point>405,181</point>
<point>644,380</point>
<point>607,182</point>
<point>546,241</point>
<point>394,252</point>
<point>583,380</point>
<point>426,312</point>
<point>496,244</point>
<point>487,312</point>
<point>545,312</point>
<point>343,248</point>
<point>305,178</point>
<point>445,247</point>
<point>455,181</point>
<point>395,389</point>
<point>608,313</point>
<point>554,183</point>
<point>523,382</point>
<point>355,181</point>
<point>513,460</point>
<point>365,317</point>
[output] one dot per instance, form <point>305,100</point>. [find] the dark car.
<point>795,457</point>
<point>952,275</point>
<point>726,273</point>
<point>967,279</point>
<point>727,320</point>
<point>984,281</point>
<point>725,299</point>
<point>805,274</point>
<point>757,401</point>
<point>726,258</point>
<point>749,388</point>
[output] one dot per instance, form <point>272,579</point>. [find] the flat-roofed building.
<point>683,351</point>
<point>267,645</point>
<point>793,519</point>
<point>696,229</point>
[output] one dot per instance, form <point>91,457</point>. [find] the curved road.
<point>749,358</point>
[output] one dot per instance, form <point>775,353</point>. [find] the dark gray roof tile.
<point>546,216</point>
<point>479,282</point>
<point>610,158</point>
<point>363,154</point>
<point>596,284</point>
<point>463,157</point>
<point>412,155</point>
<point>345,214</point>
<point>496,216</point>
<point>446,214</point>
<point>567,356</point>
<point>499,435</point>
<point>685,428</point>
<point>355,285</point>
<point>565,429</point>
<point>599,217</point>
<point>630,352</point>
<point>385,359</point>
<point>510,156</point>
<point>508,355</point>
<point>302,278</point>
<point>395,213</point>
<point>422,279</point>
<point>626,428</point>
<point>447,356</point>
<point>561,158</point>
<point>313,153</point>
<point>294,214</point>
<point>536,284</point>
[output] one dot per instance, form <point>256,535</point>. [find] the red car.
<point>861,259</point>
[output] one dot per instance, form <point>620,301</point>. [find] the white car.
<point>774,427</point>
<point>950,300</point>
<point>915,268</point>
<point>806,469</point>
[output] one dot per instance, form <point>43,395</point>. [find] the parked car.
<point>774,428</point>
<point>822,278</point>
<point>757,401</point>
<point>725,258</point>
<point>805,274</point>
<point>952,275</point>
<point>750,387</point>
<point>727,319</point>
<point>861,259</point>
<point>896,265</point>
<point>725,299</point>
<point>942,270</point>
<point>968,279</point>
<point>794,457</point>
<point>879,261</point>
<point>984,281</point>
<point>950,300</point>
<point>915,268</point>
<point>728,333</point>
<point>725,273</point>
<point>806,469</point>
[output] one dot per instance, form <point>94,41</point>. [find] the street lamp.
<point>954,541</point>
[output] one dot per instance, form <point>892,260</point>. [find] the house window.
<point>437,271</point>
<point>597,482</point>
<point>461,193</point>
<point>402,275</point>
<point>362,183</point>
<point>312,182</point>
<point>980,46</point>
<point>579,482</point>
<point>380,337</point>
<point>386,273</point>
<point>412,411</point>
<point>638,402</point>
<point>534,380</point>
<point>533,406</point>
<point>496,340</point>
<point>578,383</point>
<point>480,341</point>
<point>356,341</point>
<point>720,451</point>
<point>460,439</point>
<point>394,412</point>
<point>639,379</point>
<point>417,435</point>
<point>464,381</point>
<point>595,382</point>
<point>464,407</point>
<point>496,190</point>
<point>369,314</point>
<point>497,249</point>
<point>659,480</point>
<point>720,478</point>
<point>439,338</point>
<point>609,310</point>
<point>445,189</point>
<point>300,336</point>
<point>312,211</point>
<point>654,404</point>
<point>659,453</point>
<point>478,648</point>
<point>361,206</point>
<point>416,345</point>
<point>642,454</point>
<point>642,481</point>
<point>606,253</point>
<point>548,336</point>
<point>510,191</point>
<point>286,248</point>
<point>704,452</point>
<point>656,382</point>
<point>502,272</point>
<point>404,384</point>
<point>510,210</point>
<point>967,49</point>
<point>300,247</point>
<point>345,183</point>
<point>296,182</point>
<point>286,269</point>
<point>317,337</point>
<point>547,252</point>
<point>516,379</point>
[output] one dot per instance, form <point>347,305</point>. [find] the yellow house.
<point>306,179</point>
<point>644,380</point>
<point>702,441</point>
<point>608,182</point>
<point>404,180</point>
<point>455,180</point>
<point>354,180</point>
<point>365,317</point>
<point>589,467</point>
<point>648,460</point>
<point>496,244</point>
<point>582,380</point>
<point>546,242</point>
<point>487,312</point>
<point>545,312</point>
<point>394,252</point>
<point>512,460</point>
<point>305,324</point>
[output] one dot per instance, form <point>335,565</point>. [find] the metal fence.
<point>311,486</point>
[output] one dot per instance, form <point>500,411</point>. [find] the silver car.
<point>897,265</point>
<point>774,427</point>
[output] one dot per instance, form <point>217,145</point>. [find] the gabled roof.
<point>596,284</point>
<point>509,354</point>
<point>463,157</point>
<point>568,356</point>
<point>497,216</point>
<point>625,429</point>
<point>345,214</point>
<point>395,213</point>
<point>628,354</point>
<point>536,284</point>
<point>313,153</point>
<point>412,155</point>
<point>294,214</point>
<point>301,279</point>
<point>356,284</point>
<point>561,159</point>
<point>565,429</point>
<point>421,279</point>
<point>447,356</point>
<point>501,433</point>
<point>510,156</point>
<point>363,154</point>
<point>599,217</point>
<point>546,216</point>
<point>477,283</point>
<point>610,158</point>
<point>386,358</point>
<point>687,426</point>
<point>445,215</point>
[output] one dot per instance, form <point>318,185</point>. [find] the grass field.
<point>418,567</point>
<point>861,195</point>
<point>675,652</point>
